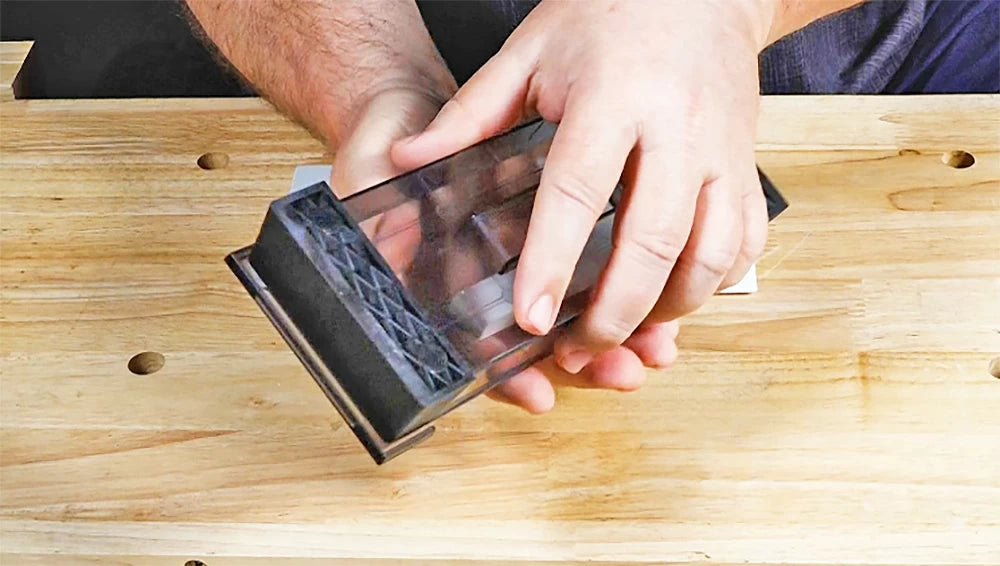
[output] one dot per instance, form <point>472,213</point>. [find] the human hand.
<point>622,368</point>
<point>360,75</point>
<point>391,114</point>
<point>363,161</point>
<point>662,95</point>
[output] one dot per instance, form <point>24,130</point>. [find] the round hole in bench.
<point>195,563</point>
<point>995,367</point>
<point>145,363</point>
<point>958,159</point>
<point>213,160</point>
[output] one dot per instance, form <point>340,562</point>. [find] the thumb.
<point>491,102</point>
<point>363,159</point>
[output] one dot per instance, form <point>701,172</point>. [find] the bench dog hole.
<point>145,363</point>
<point>195,563</point>
<point>213,160</point>
<point>958,159</point>
<point>995,367</point>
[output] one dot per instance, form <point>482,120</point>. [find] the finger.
<point>530,390</point>
<point>754,230</point>
<point>489,103</point>
<point>363,159</point>
<point>582,169</point>
<point>709,255</point>
<point>619,369</point>
<point>653,228</point>
<point>655,344</point>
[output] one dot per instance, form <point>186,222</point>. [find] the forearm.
<point>789,16</point>
<point>322,61</point>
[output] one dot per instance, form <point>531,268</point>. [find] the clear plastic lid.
<point>452,233</point>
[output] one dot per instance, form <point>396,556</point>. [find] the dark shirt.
<point>879,46</point>
<point>145,48</point>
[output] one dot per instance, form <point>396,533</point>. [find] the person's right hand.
<point>363,160</point>
<point>660,96</point>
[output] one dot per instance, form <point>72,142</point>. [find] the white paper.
<point>309,175</point>
<point>746,285</point>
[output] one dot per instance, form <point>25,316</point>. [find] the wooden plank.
<point>787,122</point>
<point>943,123</point>
<point>845,413</point>
<point>670,544</point>
<point>107,560</point>
<point>12,56</point>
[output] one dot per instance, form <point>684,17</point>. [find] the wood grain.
<point>843,414</point>
<point>12,56</point>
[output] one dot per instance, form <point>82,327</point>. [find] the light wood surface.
<point>12,55</point>
<point>844,414</point>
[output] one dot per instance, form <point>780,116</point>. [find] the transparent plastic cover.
<point>452,233</point>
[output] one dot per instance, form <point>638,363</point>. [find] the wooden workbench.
<point>845,413</point>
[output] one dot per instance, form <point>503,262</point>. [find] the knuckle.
<point>717,261</point>
<point>754,242</point>
<point>751,250</point>
<point>660,252</point>
<point>749,253</point>
<point>457,110</point>
<point>734,276</point>
<point>571,187</point>
<point>450,111</point>
<point>454,105</point>
<point>607,333</point>
<point>689,301</point>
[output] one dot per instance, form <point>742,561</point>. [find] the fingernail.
<point>575,361</point>
<point>541,313</point>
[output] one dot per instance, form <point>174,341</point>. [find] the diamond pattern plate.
<point>381,292</point>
